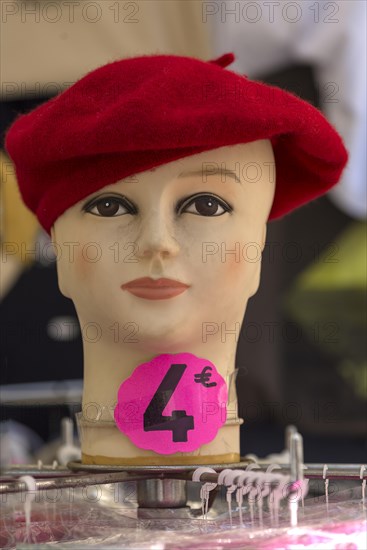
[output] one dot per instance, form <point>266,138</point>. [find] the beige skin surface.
<point>161,232</point>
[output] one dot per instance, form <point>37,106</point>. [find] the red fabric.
<point>131,115</point>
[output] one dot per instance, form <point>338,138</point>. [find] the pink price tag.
<point>174,403</point>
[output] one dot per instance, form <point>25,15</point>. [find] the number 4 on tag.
<point>179,423</point>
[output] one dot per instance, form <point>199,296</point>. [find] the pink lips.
<point>155,289</point>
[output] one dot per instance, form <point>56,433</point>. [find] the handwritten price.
<point>169,395</point>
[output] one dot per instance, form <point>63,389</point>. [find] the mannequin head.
<point>159,230</point>
<point>121,180</point>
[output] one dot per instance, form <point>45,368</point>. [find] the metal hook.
<point>324,470</point>
<point>363,467</point>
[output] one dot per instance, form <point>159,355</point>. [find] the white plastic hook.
<point>253,493</point>
<point>200,471</point>
<point>232,486</point>
<point>272,467</point>
<point>240,482</point>
<point>265,491</point>
<point>278,484</point>
<point>31,486</point>
<point>252,466</point>
<point>205,488</point>
<point>222,475</point>
<point>227,479</point>
<point>269,470</point>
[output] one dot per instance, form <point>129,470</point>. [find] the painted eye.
<point>205,205</point>
<point>108,207</point>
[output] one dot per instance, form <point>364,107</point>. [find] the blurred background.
<point>302,350</point>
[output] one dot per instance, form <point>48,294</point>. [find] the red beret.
<point>134,114</point>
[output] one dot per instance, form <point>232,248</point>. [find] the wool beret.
<point>138,113</point>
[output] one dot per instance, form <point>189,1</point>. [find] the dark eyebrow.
<point>207,173</point>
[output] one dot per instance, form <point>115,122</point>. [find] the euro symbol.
<point>203,378</point>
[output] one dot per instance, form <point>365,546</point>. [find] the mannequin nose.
<point>156,238</point>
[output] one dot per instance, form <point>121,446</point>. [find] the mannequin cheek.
<point>243,274</point>
<point>82,266</point>
<point>75,273</point>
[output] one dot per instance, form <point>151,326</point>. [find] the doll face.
<point>199,221</point>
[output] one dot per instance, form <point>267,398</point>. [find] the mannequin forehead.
<point>230,157</point>
<point>234,162</point>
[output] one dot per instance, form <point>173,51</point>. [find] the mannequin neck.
<point>108,363</point>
